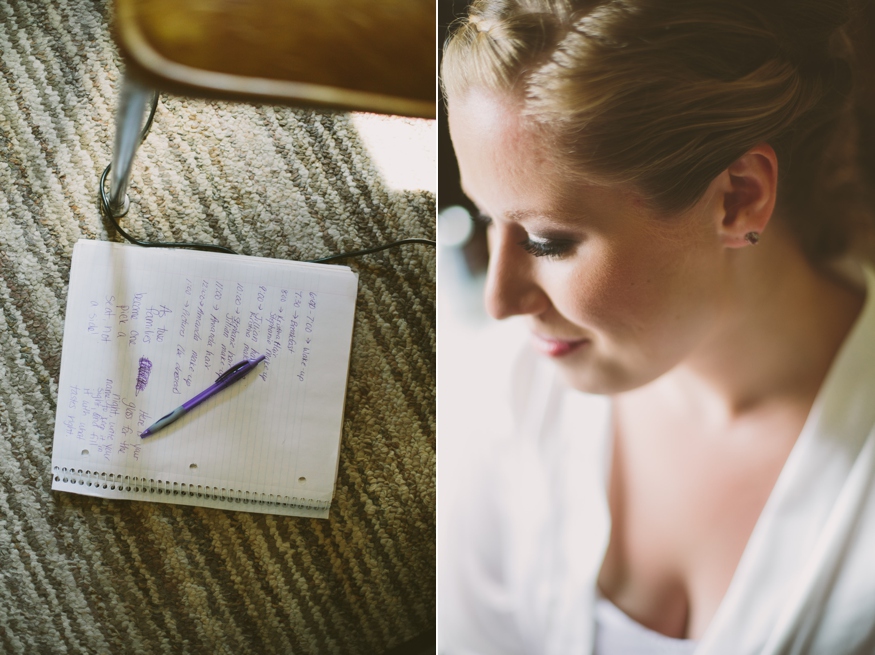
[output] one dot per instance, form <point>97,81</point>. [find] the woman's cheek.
<point>605,294</point>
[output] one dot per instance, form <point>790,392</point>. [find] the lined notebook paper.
<point>147,329</point>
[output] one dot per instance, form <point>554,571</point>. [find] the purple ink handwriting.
<point>143,373</point>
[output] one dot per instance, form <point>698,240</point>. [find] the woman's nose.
<point>511,288</point>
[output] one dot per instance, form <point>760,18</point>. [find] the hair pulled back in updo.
<point>666,94</point>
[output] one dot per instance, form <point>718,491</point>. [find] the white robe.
<point>519,562</point>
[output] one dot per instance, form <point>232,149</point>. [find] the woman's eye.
<point>535,246</point>
<point>554,248</point>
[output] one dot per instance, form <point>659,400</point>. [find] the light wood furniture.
<point>366,55</point>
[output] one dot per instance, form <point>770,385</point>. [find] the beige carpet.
<point>82,575</point>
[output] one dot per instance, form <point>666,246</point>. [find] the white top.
<point>618,634</point>
<point>518,567</point>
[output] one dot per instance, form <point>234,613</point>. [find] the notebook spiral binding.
<point>138,485</point>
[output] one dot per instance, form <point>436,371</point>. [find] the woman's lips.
<point>556,347</point>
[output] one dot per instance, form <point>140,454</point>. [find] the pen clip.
<point>239,365</point>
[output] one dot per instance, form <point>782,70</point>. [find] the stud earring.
<point>753,238</point>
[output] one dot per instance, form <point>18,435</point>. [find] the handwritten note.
<point>148,329</point>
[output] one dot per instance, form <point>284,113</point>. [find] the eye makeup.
<point>536,246</point>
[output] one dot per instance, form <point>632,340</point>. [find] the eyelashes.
<point>553,248</point>
<point>537,247</point>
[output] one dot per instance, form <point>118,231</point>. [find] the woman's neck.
<point>782,325</point>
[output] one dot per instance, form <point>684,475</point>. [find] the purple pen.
<point>226,379</point>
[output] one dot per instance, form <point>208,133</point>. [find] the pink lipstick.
<point>556,347</point>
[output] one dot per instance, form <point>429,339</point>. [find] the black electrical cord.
<point>368,251</point>
<point>104,205</point>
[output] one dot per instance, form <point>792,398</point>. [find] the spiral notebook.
<point>147,329</point>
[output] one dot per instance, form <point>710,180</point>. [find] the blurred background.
<point>475,350</point>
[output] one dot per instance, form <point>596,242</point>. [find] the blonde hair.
<point>665,94</point>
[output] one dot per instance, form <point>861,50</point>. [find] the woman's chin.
<point>587,374</point>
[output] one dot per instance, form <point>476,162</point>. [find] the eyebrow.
<point>515,215</point>
<point>520,215</point>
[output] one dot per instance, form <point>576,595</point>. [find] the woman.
<point>672,198</point>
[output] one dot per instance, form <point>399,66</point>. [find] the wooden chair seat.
<point>370,55</point>
<point>365,55</point>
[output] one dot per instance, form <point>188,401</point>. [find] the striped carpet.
<point>84,575</point>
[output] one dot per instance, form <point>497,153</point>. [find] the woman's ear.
<point>747,191</point>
